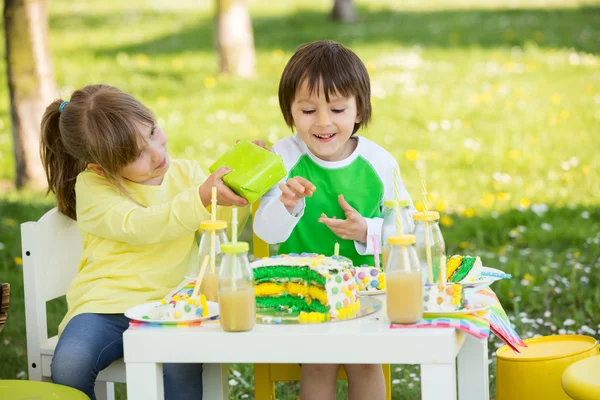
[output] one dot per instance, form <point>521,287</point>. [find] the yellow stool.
<point>536,372</point>
<point>581,380</point>
<point>265,375</point>
<point>21,390</point>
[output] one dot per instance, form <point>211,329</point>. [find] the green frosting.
<point>464,269</point>
<point>265,274</point>
<point>293,302</point>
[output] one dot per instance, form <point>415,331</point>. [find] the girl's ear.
<point>357,119</point>
<point>96,168</point>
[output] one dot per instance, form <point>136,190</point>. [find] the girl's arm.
<point>103,211</point>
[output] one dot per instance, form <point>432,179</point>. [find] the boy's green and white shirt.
<point>365,178</point>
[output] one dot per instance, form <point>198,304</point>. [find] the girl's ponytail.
<point>60,166</point>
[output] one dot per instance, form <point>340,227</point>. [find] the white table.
<point>438,351</point>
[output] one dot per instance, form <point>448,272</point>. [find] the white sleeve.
<point>272,222</point>
<point>374,227</point>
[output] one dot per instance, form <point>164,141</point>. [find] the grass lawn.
<point>497,106</point>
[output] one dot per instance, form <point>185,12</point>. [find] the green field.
<point>496,106</point>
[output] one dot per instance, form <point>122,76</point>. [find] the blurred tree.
<point>30,83</point>
<point>235,39</point>
<point>344,11</point>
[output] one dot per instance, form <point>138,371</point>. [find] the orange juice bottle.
<point>389,226</point>
<point>403,281</point>
<point>209,286</point>
<point>236,289</point>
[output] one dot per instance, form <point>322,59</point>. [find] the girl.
<point>106,161</point>
<point>335,186</point>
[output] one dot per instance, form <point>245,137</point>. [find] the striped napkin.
<point>478,325</point>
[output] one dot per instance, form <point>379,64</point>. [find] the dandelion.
<point>177,63</point>
<point>555,98</point>
<point>514,154</point>
<point>18,261</point>
<point>528,277</point>
<point>524,203</point>
<point>277,54</point>
<point>463,245</point>
<point>209,82</point>
<point>411,155</point>
<point>440,205</point>
<point>9,222</point>
<point>564,114</point>
<point>585,170</point>
<point>446,221</point>
<point>141,60</point>
<point>469,213</point>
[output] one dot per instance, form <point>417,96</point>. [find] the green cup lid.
<point>392,203</point>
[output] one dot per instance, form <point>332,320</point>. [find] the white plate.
<point>137,313</point>
<point>483,281</point>
<point>370,292</point>
<point>482,300</point>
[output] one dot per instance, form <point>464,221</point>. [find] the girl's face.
<point>153,161</point>
<point>325,127</point>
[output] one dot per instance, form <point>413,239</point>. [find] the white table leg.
<point>144,381</point>
<point>473,377</point>
<point>438,381</point>
<point>215,381</point>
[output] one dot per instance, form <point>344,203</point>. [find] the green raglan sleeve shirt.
<point>365,178</point>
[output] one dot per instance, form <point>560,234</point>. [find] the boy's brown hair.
<point>98,125</point>
<point>332,65</point>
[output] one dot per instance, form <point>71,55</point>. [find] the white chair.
<point>51,252</point>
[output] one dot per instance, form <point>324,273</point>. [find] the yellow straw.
<point>234,222</point>
<point>336,249</point>
<point>397,201</point>
<point>427,242</point>
<point>213,238</point>
<point>200,277</point>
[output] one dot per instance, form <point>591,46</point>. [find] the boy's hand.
<point>293,190</point>
<point>225,196</point>
<point>354,227</point>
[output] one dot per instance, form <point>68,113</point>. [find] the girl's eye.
<point>153,131</point>
<point>338,111</point>
<point>308,112</point>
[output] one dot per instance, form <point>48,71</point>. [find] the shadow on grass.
<point>555,250</point>
<point>576,28</point>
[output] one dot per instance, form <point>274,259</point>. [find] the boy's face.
<point>325,127</point>
<point>153,162</point>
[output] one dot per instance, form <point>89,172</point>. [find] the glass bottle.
<point>209,282</point>
<point>389,227</point>
<point>429,235</point>
<point>403,281</point>
<point>237,305</point>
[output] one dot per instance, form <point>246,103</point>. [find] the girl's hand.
<point>354,227</point>
<point>225,196</point>
<point>293,190</point>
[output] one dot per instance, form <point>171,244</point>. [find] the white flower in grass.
<point>503,259</point>
<point>539,320</point>
<point>446,125</point>
<point>244,396</point>
<point>2,246</point>
<point>562,331</point>
<point>546,226</point>
<point>557,290</point>
<point>525,282</point>
<point>20,375</point>
<point>398,369</point>
<point>547,313</point>
<point>412,374</point>
<point>585,214</point>
<point>539,209</point>
<point>233,382</point>
<point>587,329</point>
<point>432,126</point>
<point>395,381</point>
<point>236,373</point>
<point>569,322</point>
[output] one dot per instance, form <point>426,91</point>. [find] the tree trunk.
<point>30,83</point>
<point>235,40</point>
<point>343,11</point>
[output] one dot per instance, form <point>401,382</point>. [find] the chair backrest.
<point>52,249</point>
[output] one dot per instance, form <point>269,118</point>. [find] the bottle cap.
<point>429,216</point>
<point>402,239</point>
<point>239,247</point>
<point>213,225</point>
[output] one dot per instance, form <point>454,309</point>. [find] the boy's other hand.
<point>295,189</point>
<point>225,196</point>
<point>354,227</point>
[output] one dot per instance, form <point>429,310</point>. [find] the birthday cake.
<point>369,278</point>
<point>312,287</point>
<point>463,269</point>
<point>180,306</point>
<point>443,298</point>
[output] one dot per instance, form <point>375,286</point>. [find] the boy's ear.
<point>357,119</point>
<point>96,168</point>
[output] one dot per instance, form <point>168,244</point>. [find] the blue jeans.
<point>91,342</point>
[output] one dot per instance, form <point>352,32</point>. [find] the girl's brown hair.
<point>331,65</point>
<point>98,125</point>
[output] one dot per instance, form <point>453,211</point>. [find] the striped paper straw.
<point>427,241</point>
<point>397,201</point>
